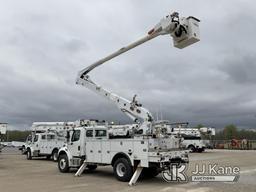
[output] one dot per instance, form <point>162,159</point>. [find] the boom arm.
<point>184,33</point>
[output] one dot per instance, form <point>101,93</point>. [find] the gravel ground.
<point>18,175</point>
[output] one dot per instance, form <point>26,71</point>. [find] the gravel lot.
<point>18,175</point>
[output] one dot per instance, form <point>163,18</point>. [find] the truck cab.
<point>75,149</point>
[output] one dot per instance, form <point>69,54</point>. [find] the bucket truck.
<point>45,139</point>
<point>194,139</point>
<point>92,146</point>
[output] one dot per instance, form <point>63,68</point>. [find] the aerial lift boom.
<point>184,31</point>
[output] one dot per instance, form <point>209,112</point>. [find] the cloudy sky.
<point>44,43</point>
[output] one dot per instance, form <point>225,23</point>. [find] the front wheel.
<point>123,170</point>
<point>191,148</point>
<point>63,163</point>
<point>29,154</point>
<point>23,150</point>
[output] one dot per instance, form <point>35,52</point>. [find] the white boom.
<point>184,31</point>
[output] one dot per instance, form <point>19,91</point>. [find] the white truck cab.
<point>93,146</point>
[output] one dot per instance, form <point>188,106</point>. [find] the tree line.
<point>15,135</point>
<point>231,132</point>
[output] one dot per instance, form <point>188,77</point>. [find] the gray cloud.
<point>43,44</point>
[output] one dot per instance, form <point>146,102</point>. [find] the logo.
<point>175,173</point>
<point>201,173</point>
<point>215,173</point>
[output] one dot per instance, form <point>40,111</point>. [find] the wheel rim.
<point>120,170</point>
<point>63,163</point>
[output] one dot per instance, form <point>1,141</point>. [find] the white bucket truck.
<point>194,139</point>
<point>46,139</point>
<point>91,146</point>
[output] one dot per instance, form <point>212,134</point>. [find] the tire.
<point>123,170</point>
<point>29,154</point>
<point>23,150</point>
<point>191,148</point>
<point>200,150</point>
<point>91,167</point>
<point>63,164</point>
<point>55,155</point>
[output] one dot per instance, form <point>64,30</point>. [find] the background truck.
<point>194,139</point>
<point>46,138</point>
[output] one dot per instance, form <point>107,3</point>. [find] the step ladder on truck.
<point>147,150</point>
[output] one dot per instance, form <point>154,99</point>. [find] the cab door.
<point>35,142</point>
<point>42,144</point>
<point>75,143</point>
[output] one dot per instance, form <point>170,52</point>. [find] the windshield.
<point>76,135</point>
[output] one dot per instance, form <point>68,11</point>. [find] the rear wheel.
<point>63,163</point>
<point>123,169</point>
<point>55,155</point>
<point>29,154</point>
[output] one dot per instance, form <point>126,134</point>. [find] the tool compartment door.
<point>105,152</point>
<point>93,151</point>
<point>97,152</point>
